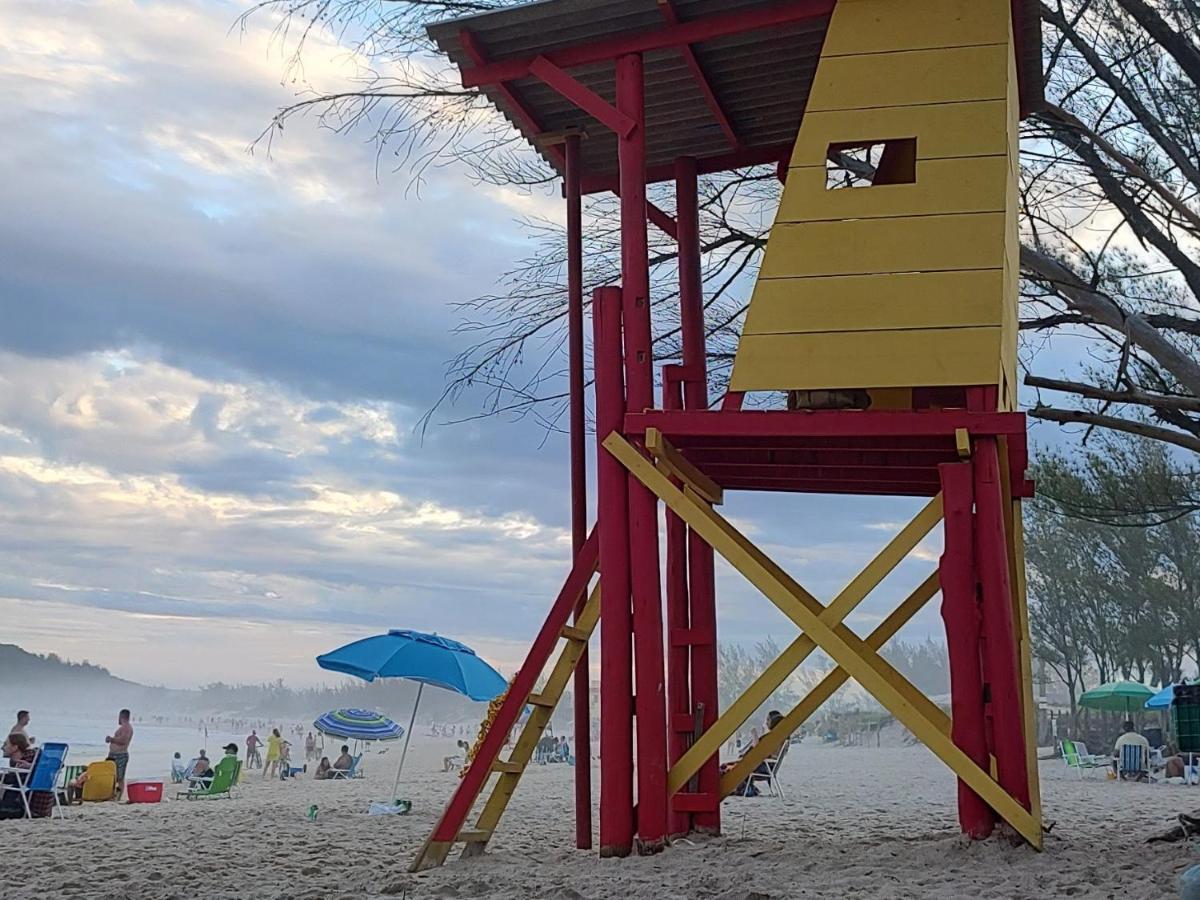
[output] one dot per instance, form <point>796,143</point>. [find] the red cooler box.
<point>145,791</point>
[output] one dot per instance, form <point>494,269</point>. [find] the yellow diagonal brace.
<point>888,687</point>
<point>774,675</point>
<point>677,464</point>
<point>771,741</point>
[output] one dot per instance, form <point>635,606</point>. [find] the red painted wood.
<point>616,625</point>
<point>578,435</point>
<point>650,695</point>
<point>693,32</point>
<point>661,220</point>
<point>667,9</point>
<point>527,119</point>
<point>704,802</point>
<point>737,159</point>
<point>1001,669</point>
<point>582,96</point>
<point>691,287</point>
<point>471,784</point>
<point>825,423</point>
<point>679,694</point>
<point>960,612</point>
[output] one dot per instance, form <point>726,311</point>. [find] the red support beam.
<point>960,612</point>
<point>828,423</point>
<point>616,625</point>
<point>1002,673</point>
<point>738,159</point>
<point>578,436</point>
<point>662,221</point>
<point>643,505</point>
<point>667,8</point>
<point>679,695</point>
<point>582,96</point>
<point>691,288</point>
<point>693,32</point>
<point>471,47</point>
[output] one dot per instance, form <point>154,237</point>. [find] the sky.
<point>214,363</point>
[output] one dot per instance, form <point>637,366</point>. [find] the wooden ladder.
<point>521,693</point>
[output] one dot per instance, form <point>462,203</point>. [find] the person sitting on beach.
<point>203,769</point>
<point>18,752</point>
<point>450,763</point>
<point>1127,737</point>
<point>345,761</point>
<point>324,769</point>
<point>746,788</point>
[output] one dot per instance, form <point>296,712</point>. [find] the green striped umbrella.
<point>1116,696</point>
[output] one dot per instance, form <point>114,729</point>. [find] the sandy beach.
<point>871,822</point>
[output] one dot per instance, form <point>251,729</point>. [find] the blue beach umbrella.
<point>420,657</point>
<point>1163,699</point>
<point>358,725</point>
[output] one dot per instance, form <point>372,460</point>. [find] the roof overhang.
<point>726,80</point>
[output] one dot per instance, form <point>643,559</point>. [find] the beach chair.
<point>1075,755</point>
<point>1135,763</point>
<point>42,778</point>
<point>101,781</point>
<point>770,777</point>
<point>225,777</point>
<point>352,772</point>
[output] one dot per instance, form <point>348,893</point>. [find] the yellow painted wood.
<point>891,398</point>
<point>677,465</point>
<point>962,440</point>
<point>942,130</point>
<point>795,653</point>
<point>971,184</point>
<point>431,855</point>
<point>867,359</point>
<point>879,26</point>
<point>771,741</point>
<point>508,767</point>
<point>571,633</point>
<point>947,75</point>
<point>851,653</point>
<point>474,836</point>
<point>876,302</point>
<point>886,245</point>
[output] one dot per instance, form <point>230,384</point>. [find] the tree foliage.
<point>1115,596</point>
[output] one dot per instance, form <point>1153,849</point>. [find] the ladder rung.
<point>511,768</point>
<point>474,837</point>
<point>571,633</point>
<point>541,700</point>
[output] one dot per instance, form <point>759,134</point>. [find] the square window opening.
<point>871,163</point>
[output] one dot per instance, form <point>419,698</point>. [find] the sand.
<point>858,821</point>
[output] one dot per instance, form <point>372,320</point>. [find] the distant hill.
<point>20,667</point>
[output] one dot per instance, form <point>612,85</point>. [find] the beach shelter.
<point>420,657</point>
<point>1163,699</point>
<point>1116,696</point>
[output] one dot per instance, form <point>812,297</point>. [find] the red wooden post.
<point>1001,671</point>
<point>582,683</point>
<point>616,683</point>
<point>960,612</point>
<point>701,578</point>
<point>643,506</point>
<point>679,695</point>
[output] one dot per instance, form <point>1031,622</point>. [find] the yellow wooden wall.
<point>898,285</point>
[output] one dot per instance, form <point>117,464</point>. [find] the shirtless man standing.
<point>118,748</point>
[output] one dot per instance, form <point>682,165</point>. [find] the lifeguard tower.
<point>885,311</point>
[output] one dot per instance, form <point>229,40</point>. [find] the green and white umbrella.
<point>1116,696</point>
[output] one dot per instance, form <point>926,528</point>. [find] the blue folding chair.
<point>1135,762</point>
<point>43,777</point>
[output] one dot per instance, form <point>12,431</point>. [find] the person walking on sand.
<point>253,757</point>
<point>310,747</point>
<point>274,746</point>
<point>118,748</point>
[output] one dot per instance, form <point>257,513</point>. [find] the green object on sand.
<point>312,813</point>
<point>1116,696</point>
